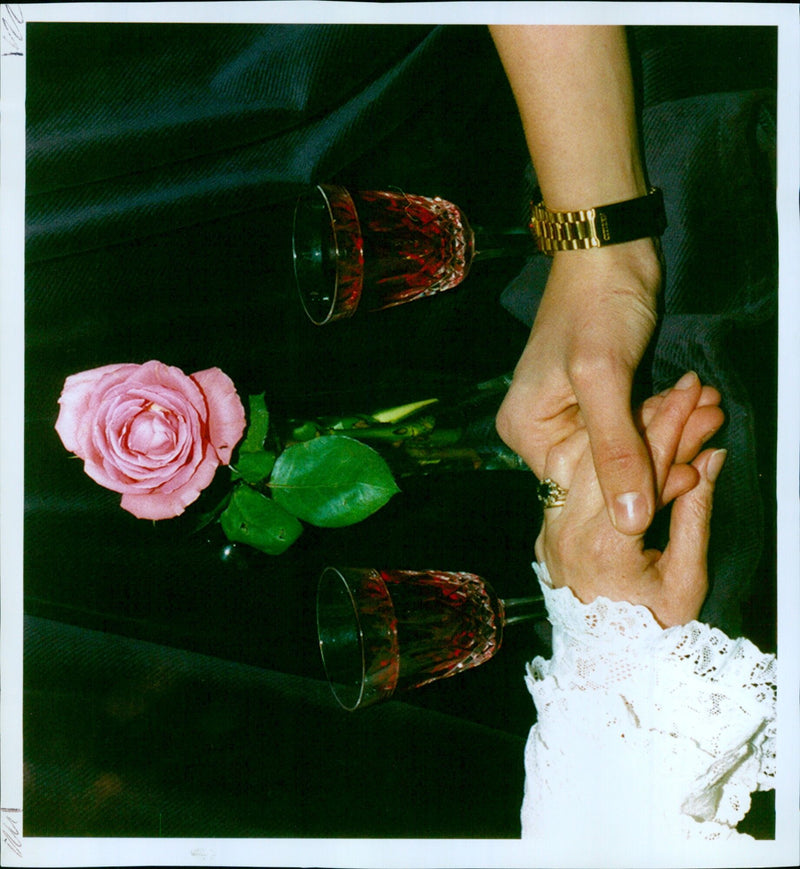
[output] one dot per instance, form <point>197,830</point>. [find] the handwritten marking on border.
<point>12,28</point>
<point>11,831</point>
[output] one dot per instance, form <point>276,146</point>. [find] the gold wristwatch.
<point>597,227</point>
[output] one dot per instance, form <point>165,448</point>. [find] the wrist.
<point>634,265</point>
<point>598,226</point>
<point>609,179</point>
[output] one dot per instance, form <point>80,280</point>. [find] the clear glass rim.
<point>324,577</point>
<point>335,310</point>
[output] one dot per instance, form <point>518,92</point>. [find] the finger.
<point>705,421</point>
<point>563,458</point>
<point>701,426</point>
<point>569,464</point>
<point>680,479</point>
<point>621,458</point>
<point>666,429</point>
<point>684,560</point>
<point>583,503</point>
<point>708,397</point>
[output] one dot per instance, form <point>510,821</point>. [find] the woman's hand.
<point>581,547</point>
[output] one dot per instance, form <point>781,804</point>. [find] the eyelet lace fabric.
<point>663,731</point>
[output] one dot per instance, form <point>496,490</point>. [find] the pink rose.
<point>150,432</point>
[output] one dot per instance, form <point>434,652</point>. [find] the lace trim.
<point>602,619</point>
<point>701,705</point>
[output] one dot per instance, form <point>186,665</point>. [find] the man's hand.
<point>574,89</point>
<point>593,326</point>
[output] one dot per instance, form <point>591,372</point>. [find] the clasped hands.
<point>583,549</point>
<point>568,414</point>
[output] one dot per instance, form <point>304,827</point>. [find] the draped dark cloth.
<point>174,689</point>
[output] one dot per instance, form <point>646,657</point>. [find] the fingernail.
<point>631,512</point>
<point>715,464</point>
<point>687,381</point>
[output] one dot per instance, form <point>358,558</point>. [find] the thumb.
<point>685,572</point>
<point>621,459</point>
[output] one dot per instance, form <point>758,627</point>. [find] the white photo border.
<point>58,852</point>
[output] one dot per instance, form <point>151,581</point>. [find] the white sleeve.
<point>666,732</point>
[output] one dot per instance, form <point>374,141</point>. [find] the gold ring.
<point>550,494</point>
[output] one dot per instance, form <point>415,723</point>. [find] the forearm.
<point>574,91</point>
<point>573,87</point>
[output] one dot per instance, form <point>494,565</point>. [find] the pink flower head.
<point>151,432</point>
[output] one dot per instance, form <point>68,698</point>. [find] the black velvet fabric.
<point>172,688</point>
<point>163,165</point>
<point>158,742</point>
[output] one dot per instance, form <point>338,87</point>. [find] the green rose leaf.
<point>254,467</point>
<point>257,520</point>
<point>305,431</point>
<point>258,427</point>
<point>332,481</point>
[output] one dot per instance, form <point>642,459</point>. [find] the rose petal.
<point>169,380</point>
<point>151,432</point>
<point>111,463</point>
<point>77,395</point>
<point>226,417</point>
<point>166,505</point>
<point>109,459</point>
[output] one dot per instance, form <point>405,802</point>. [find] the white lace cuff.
<point>664,731</point>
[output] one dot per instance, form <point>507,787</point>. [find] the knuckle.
<point>563,550</point>
<point>563,457</point>
<point>557,461</point>
<point>589,369</point>
<point>676,409</point>
<point>506,424</point>
<point>520,430</point>
<point>617,458</point>
<point>699,510</point>
<point>601,550</point>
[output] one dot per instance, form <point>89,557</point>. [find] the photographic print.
<point>399,434</point>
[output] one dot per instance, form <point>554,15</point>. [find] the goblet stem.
<point>492,244</point>
<point>522,609</point>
